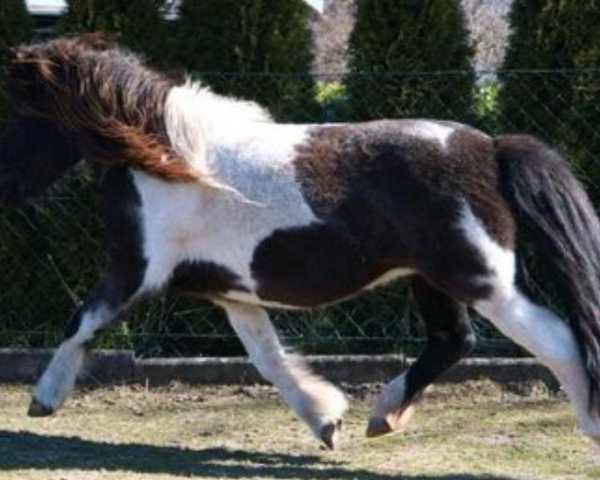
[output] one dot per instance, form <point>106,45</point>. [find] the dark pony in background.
<point>208,195</point>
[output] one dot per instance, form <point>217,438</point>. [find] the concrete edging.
<point>121,366</point>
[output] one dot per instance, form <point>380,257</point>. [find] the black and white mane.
<point>209,195</point>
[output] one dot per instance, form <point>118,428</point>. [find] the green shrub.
<point>392,43</point>
<point>331,96</point>
<point>485,105</point>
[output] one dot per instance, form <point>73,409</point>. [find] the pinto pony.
<point>208,195</point>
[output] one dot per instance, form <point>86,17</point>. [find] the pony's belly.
<point>287,302</point>
<point>251,298</point>
<point>320,264</point>
<point>390,276</point>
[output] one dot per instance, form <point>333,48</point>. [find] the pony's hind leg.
<point>449,338</point>
<point>316,401</point>
<point>539,330</point>
<point>550,339</point>
<point>58,380</point>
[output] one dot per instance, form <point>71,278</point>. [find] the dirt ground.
<point>471,431</point>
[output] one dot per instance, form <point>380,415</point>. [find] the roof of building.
<point>46,7</point>
<point>57,7</point>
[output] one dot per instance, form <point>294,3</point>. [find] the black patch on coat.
<point>121,205</point>
<point>480,180</point>
<point>205,278</point>
<point>312,265</point>
<point>386,200</point>
<point>338,160</point>
<point>126,264</point>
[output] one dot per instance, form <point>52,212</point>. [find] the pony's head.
<point>35,149</point>
<point>34,154</point>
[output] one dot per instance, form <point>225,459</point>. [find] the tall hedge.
<point>254,49</point>
<point>560,106</point>
<point>15,28</point>
<point>393,43</point>
<point>136,24</point>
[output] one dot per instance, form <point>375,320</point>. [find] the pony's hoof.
<point>37,409</point>
<point>377,427</point>
<point>392,422</point>
<point>330,434</point>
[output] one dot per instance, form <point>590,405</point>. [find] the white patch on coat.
<point>238,144</point>
<point>534,327</point>
<point>430,130</point>
<point>389,276</point>
<point>251,298</point>
<point>391,397</point>
<point>192,113</point>
<point>499,260</point>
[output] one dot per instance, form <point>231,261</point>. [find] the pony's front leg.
<point>58,380</point>
<point>316,401</point>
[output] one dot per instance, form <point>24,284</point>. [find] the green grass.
<point>470,431</point>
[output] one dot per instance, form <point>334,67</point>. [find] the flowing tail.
<point>544,193</point>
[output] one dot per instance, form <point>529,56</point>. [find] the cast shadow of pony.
<point>28,450</point>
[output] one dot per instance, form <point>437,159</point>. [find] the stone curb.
<point>121,366</point>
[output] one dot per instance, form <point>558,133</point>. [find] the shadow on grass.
<point>26,450</point>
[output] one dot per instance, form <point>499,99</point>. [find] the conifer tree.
<point>548,87</point>
<point>393,42</point>
<point>136,24</point>
<point>15,28</point>
<point>254,49</point>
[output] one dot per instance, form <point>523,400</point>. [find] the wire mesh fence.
<point>51,252</point>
